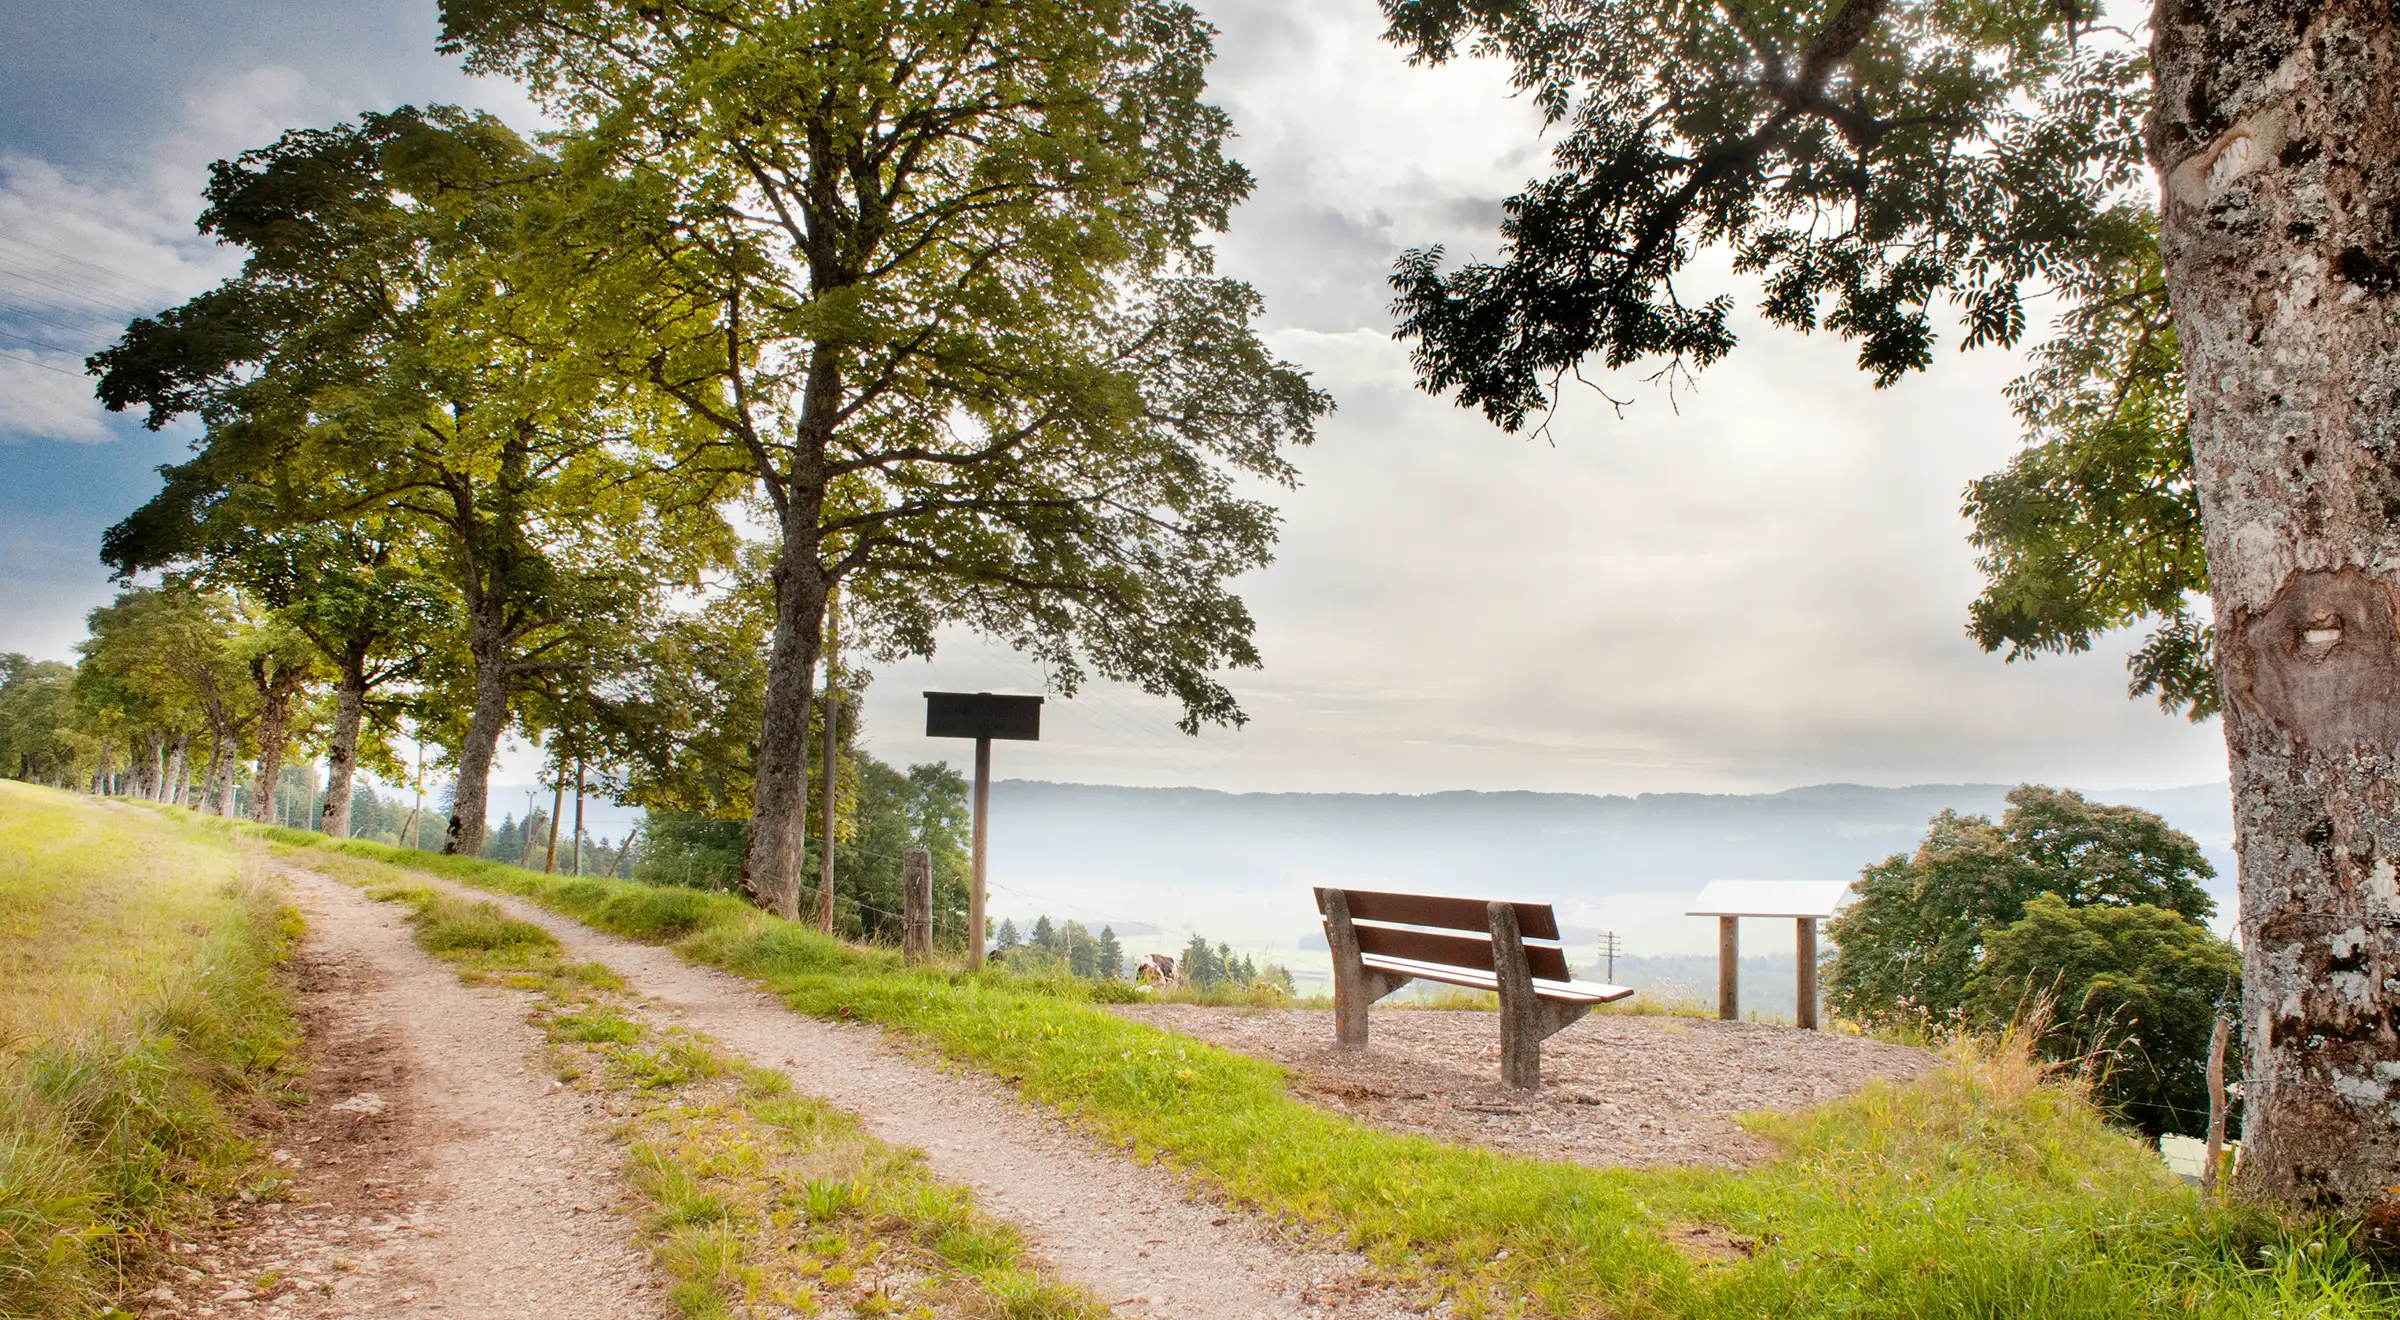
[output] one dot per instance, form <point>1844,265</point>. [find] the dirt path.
<point>1133,1234</point>
<point>439,1170</point>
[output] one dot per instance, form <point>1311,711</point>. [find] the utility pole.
<point>833,757</point>
<point>1610,947</point>
<point>558,800</point>
<point>579,813</point>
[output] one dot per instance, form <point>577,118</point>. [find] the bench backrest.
<point>1381,921</point>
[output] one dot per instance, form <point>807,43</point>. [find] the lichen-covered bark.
<point>341,749</point>
<point>779,789</point>
<point>487,643</point>
<point>2277,140</point>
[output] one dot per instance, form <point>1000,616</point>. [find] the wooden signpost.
<point>982,716</point>
<point>1805,901</point>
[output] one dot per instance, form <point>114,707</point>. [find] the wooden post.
<point>833,764</point>
<point>1354,986</point>
<point>1729,963</point>
<point>983,802</point>
<point>2216,1103</point>
<point>1806,1015</point>
<point>916,903</point>
<point>1520,1030</point>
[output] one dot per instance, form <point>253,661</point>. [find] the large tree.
<point>1868,159</point>
<point>931,278</point>
<point>393,350</point>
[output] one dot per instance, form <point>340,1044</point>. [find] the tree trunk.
<point>154,787</point>
<point>2276,137</point>
<point>833,763</point>
<point>779,793</point>
<point>225,777</point>
<point>341,751</point>
<point>178,777</point>
<point>558,799</point>
<point>485,723</point>
<point>579,815</point>
<point>277,684</point>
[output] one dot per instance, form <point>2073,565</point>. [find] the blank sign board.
<point>982,715</point>
<point>1770,898</point>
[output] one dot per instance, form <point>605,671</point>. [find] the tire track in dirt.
<point>1134,1234</point>
<point>438,1169</point>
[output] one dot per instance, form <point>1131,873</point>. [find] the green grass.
<point>139,1015</point>
<point>1984,1189</point>
<point>761,1202</point>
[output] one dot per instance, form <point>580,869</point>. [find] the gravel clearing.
<point>438,1169</point>
<point>1136,1235</point>
<point>1617,1089</point>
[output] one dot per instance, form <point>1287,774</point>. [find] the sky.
<point>1755,583</point>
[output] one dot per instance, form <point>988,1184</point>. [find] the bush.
<point>2138,991</point>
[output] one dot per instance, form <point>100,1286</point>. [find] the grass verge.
<point>1985,1189</point>
<point>139,1015</point>
<point>762,1202</point>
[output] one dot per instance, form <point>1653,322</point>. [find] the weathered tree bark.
<point>178,777</point>
<point>154,769</point>
<point>341,750</point>
<point>832,739</point>
<point>470,814</point>
<point>278,683</point>
<point>225,778</point>
<point>779,793</point>
<point>2277,140</point>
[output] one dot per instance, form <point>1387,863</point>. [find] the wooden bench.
<point>1381,942</point>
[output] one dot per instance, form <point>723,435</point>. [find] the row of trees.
<point>798,321</point>
<point>2086,918</point>
<point>1048,949</point>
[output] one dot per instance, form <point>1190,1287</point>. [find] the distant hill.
<point>1237,867</point>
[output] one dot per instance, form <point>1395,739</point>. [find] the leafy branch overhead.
<point>1864,159</point>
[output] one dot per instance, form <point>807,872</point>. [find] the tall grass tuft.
<point>140,1011</point>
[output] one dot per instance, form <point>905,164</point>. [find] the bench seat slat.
<point>1469,951</point>
<point>1576,992</point>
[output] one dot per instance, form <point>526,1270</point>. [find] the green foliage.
<point>1988,1187</point>
<point>37,713</point>
<point>1905,950</point>
<point>985,375</point>
<point>1862,159</point>
<point>2138,989</point>
<point>392,367</point>
<point>2096,525</point>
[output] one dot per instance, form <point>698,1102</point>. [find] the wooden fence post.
<point>1729,968</point>
<point>2216,1103</point>
<point>1805,1016</point>
<point>916,924</point>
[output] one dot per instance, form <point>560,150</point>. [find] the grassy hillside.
<point>138,1011</point>
<point>1985,1189</point>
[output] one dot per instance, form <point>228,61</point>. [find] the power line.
<point>31,362</point>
